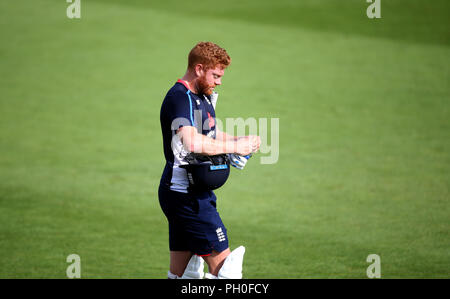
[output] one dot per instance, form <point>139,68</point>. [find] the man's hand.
<point>247,145</point>
<point>238,161</point>
<point>256,142</point>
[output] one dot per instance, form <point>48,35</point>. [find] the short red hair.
<point>209,54</point>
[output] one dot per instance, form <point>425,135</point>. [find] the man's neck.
<point>191,81</point>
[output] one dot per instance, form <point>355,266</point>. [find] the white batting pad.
<point>232,267</point>
<point>194,269</point>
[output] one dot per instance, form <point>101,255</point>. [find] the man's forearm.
<point>209,146</point>
<point>222,136</point>
<point>201,144</point>
<point>195,142</point>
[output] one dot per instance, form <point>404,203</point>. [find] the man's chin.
<point>208,92</point>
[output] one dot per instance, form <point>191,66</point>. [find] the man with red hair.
<point>196,231</point>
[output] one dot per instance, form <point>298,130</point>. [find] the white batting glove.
<point>238,161</point>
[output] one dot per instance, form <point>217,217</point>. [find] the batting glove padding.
<point>238,161</point>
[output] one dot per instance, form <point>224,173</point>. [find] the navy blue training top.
<point>181,107</point>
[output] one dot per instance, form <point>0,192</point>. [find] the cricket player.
<point>196,231</point>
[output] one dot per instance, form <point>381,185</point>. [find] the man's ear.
<point>199,71</point>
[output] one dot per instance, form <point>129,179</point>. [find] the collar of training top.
<point>187,87</point>
<point>184,83</point>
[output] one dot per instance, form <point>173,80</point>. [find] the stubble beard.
<point>203,87</point>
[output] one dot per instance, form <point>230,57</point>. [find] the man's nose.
<point>218,81</point>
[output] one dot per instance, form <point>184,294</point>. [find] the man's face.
<point>209,80</point>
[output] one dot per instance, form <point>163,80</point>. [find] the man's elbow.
<point>199,147</point>
<point>188,136</point>
<point>192,145</point>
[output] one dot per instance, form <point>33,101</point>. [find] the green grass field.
<point>363,106</point>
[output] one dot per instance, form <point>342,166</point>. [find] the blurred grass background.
<point>364,135</point>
